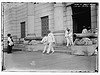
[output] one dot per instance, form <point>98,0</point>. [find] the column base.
<point>59,38</point>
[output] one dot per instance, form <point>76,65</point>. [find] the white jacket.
<point>10,42</point>
<point>51,38</point>
<point>84,31</point>
<point>70,35</point>
<point>66,34</point>
<point>44,40</point>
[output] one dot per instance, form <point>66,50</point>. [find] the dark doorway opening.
<point>44,25</point>
<point>81,17</point>
<point>22,29</point>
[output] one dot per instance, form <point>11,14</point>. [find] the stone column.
<point>58,16</point>
<point>30,19</point>
<point>58,22</point>
<point>94,15</point>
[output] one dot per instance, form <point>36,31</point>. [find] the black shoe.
<point>43,52</point>
<point>9,52</point>
<point>47,53</point>
<point>52,52</point>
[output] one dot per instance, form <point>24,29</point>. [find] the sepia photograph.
<point>49,37</point>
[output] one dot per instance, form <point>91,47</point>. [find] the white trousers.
<point>50,47</point>
<point>45,47</point>
<point>69,41</point>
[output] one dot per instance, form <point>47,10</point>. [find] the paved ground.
<point>35,61</point>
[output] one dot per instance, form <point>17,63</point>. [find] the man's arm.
<point>53,38</point>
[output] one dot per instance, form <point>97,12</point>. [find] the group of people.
<point>85,30</point>
<point>48,41</point>
<point>88,30</point>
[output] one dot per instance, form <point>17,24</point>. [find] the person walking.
<point>45,42</point>
<point>51,41</point>
<point>10,44</point>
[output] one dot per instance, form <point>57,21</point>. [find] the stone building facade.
<point>34,19</point>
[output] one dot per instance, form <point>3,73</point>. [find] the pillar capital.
<point>58,5</point>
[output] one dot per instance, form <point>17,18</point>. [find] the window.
<point>44,25</point>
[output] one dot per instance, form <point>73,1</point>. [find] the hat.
<point>8,35</point>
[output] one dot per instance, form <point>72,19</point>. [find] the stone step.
<point>55,47</point>
<point>40,48</point>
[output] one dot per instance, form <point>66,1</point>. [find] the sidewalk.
<point>36,61</point>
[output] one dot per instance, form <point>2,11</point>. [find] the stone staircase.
<point>39,47</point>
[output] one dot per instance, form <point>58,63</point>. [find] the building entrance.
<point>81,17</point>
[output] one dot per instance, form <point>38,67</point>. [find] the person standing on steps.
<point>67,36</point>
<point>70,36</point>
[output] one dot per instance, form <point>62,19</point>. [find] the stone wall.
<point>60,17</point>
<point>41,10</point>
<point>22,16</point>
<point>9,19</point>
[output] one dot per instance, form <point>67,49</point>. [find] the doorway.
<point>22,29</point>
<point>81,17</point>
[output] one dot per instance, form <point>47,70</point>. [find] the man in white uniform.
<point>70,38</point>
<point>67,36</point>
<point>45,42</point>
<point>84,31</point>
<point>51,41</point>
